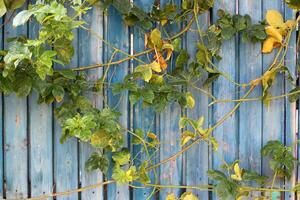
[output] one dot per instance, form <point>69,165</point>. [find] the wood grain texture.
<point>1,126</point>
<point>227,133</point>
<point>143,117</point>
<point>250,113</point>
<point>274,112</point>
<point>290,108</point>
<point>171,172</point>
<point>117,34</point>
<point>197,158</point>
<point>15,133</point>
<point>40,137</point>
<point>91,52</point>
<point>66,175</point>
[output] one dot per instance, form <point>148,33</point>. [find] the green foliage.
<point>28,64</point>
<point>6,5</point>
<point>294,4</point>
<point>282,161</point>
<point>124,176</point>
<point>97,161</point>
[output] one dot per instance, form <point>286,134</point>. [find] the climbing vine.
<point>37,64</point>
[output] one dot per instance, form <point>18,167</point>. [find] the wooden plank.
<point>227,133</point>
<point>273,114</point>
<point>197,158</point>
<point>90,52</point>
<point>290,108</point>
<point>1,146</point>
<point>250,113</point>
<point>119,39</point>
<point>40,137</point>
<point>170,173</point>
<point>143,118</point>
<point>1,127</point>
<point>15,133</point>
<point>66,155</point>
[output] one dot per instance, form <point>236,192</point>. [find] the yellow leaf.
<point>171,197</point>
<point>271,31</point>
<point>151,135</point>
<point>269,44</point>
<point>155,66</point>
<point>291,23</point>
<point>190,100</point>
<point>237,172</point>
<point>186,137</point>
<point>188,196</point>
<point>155,37</point>
<point>164,21</point>
<point>274,18</point>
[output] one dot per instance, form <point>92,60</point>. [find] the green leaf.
<point>146,72</point>
<point>69,74</point>
<point>143,173</point>
<point>97,161</point>
<point>155,38</point>
<point>3,9</point>
<point>100,139</point>
<point>121,176</point>
<point>294,94</point>
<point>136,140</point>
<point>190,100</point>
<point>121,157</point>
<point>186,136</point>
<point>294,4</point>
<point>22,17</point>
<point>58,92</point>
<point>216,175</point>
<point>23,86</point>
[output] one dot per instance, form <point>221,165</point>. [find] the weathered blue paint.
<point>290,108</point>
<point>250,113</point>
<point>274,112</point>
<point>197,158</point>
<point>1,128</point>
<point>240,137</point>
<point>15,134</point>
<point>143,117</point>
<point>90,52</point>
<point>66,155</point>
<point>40,140</point>
<point>119,39</point>
<point>227,134</point>
<point>170,173</point>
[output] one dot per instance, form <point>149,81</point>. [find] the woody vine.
<point>28,65</point>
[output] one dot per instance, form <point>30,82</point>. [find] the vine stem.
<point>186,148</point>
<point>130,57</point>
<point>69,192</point>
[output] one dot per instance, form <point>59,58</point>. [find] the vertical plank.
<point>143,118</point>
<point>40,137</point>
<point>197,157</point>
<point>227,133</point>
<point>118,36</point>
<point>1,146</point>
<point>274,112</point>
<point>66,155</point>
<point>250,113</point>
<point>290,108</point>
<point>90,52</point>
<point>170,173</point>
<point>15,133</point>
<point>1,126</point>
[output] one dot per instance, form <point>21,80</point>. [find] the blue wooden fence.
<point>33,162</point>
